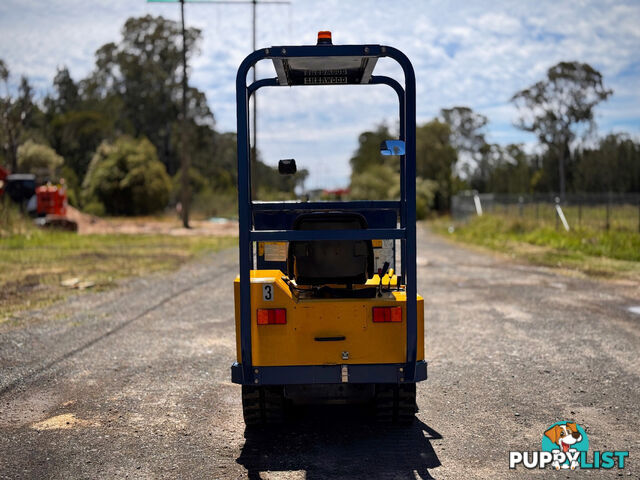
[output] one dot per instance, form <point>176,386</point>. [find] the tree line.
<point>453,153</point>
<point>114,136</point>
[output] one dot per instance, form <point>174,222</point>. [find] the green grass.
<point>591,250</point>
<point>33,262</point>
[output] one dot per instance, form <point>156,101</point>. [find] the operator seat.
<point>319,262</point>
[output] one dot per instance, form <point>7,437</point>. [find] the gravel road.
<point>134,382</point>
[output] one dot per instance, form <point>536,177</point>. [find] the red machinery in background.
<point>51,200</point>
<point>52,207</point>
<point>48,202</point>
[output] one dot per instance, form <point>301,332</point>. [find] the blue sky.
<point>465,53</point>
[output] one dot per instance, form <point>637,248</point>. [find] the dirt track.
<point>89,224</point>
<point>134,382</point>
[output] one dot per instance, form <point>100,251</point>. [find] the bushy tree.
<point>556,107</point>
<point>126,178</point>
<point>38,159</point>
<point>378,182</point>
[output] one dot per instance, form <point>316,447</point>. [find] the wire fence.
<point>608,211</point>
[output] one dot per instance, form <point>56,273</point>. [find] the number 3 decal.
<point>267,292</point>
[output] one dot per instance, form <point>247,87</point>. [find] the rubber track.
<point>262,405</point>
<point>395,403</point>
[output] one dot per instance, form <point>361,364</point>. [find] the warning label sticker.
<point>275,251</point>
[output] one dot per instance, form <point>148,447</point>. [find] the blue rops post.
<point>317,317</point>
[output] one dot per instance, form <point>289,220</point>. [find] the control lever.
<point>381,273</point>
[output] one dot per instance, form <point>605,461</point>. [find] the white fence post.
<point>561,215</point>
<point>476,201</point>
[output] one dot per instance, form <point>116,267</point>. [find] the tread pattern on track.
<point>262,405</point>
<point>395,403</point>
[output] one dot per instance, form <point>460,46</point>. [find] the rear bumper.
<point>316,374</point>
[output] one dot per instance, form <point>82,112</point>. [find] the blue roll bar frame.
<point>406,233</point>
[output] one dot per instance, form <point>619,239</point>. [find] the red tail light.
<point>387,314</point>
<point>272,316</point>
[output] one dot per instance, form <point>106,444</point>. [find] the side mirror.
<point>392,147</point>
<point>287,166</point>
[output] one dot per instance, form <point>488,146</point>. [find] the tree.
<point>555,108</point>
<point>4,71</point>
<point>75,126</point>
<point>467,135</point>
<point>76,135</point>
<point>126,178</point>
<point>38,159</point>
<point>67,96</point>
<point>436,159</point>
<point>144,71</point>
<point>374,176</point>
<point>378,182</point>
<point>15,116</point>
<point>368,152</point>
<point>510,171</point>
<point>599,169</point>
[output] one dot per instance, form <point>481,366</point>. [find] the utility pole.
<point>184,161</point>
<point>185,194</point>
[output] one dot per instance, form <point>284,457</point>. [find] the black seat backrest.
<point>320,262</point>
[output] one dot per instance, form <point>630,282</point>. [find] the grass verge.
<point>34,262</point>
<point>591,251</point>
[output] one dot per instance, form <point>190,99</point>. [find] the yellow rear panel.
<point>307,319</point>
